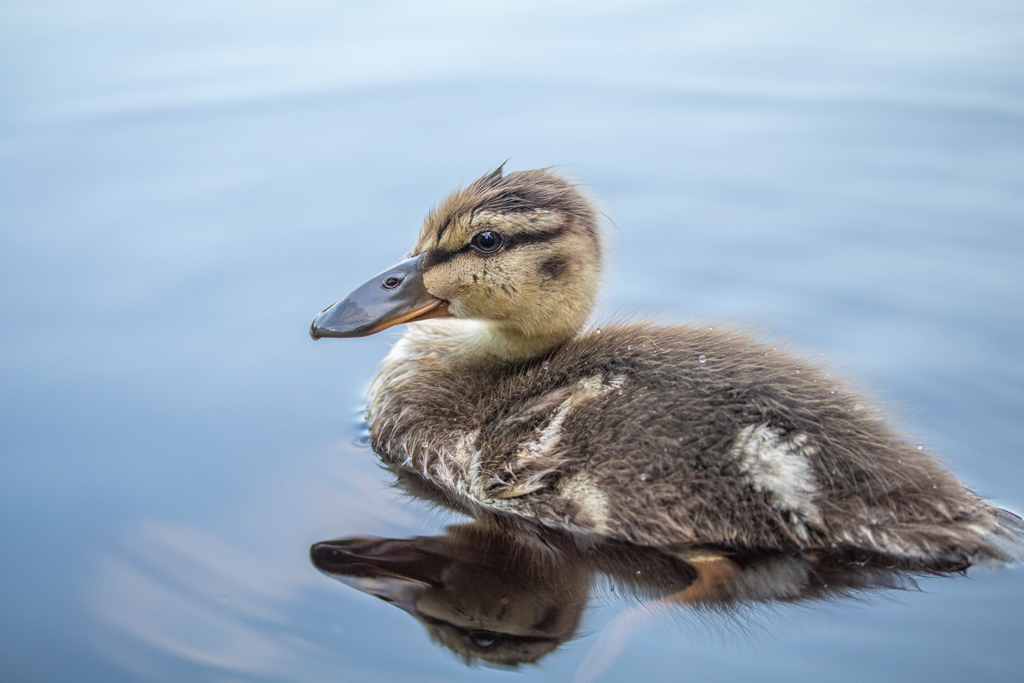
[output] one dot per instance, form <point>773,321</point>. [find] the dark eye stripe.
<point>436,257</point>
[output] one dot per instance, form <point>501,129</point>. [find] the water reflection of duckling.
<point>488,596</point>
<point>642,433</point>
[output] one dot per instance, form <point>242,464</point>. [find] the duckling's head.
<point>519,253</point>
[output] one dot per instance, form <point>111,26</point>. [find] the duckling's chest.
<point>451,424</point>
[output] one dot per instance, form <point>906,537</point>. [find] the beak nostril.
<point>391,282</point>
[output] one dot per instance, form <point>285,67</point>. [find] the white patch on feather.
<point>468,457</point>
<point>780,466</point>
<point>595,386</point>
<point>537,459</point>
<point>591,500</point>
<point>580,489</point>
<point>551,433</point>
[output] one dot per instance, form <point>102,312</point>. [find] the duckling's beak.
<point>395,296</point>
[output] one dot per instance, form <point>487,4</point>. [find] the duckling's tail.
<point>990,534</point>
<point>1003,537</point>
<point>983,535</point>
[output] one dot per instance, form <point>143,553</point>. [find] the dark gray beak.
<point>393,297</point>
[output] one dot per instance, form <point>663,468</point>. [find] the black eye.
<point>486,241</point>
<point>484,640</point>
<point>391,282</point>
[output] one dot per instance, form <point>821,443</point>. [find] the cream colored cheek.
<point>446,283</point>
<point>433,284</point>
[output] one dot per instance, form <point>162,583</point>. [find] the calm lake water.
<point>184,185</point>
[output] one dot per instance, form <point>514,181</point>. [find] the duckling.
<point>500,403</point>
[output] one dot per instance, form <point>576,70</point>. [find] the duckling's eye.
<point>486,242</point>
<point>484,640</point>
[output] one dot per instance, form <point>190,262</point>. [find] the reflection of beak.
<point>379,558</point>
<point>395,296</point>
<point>392,569</point>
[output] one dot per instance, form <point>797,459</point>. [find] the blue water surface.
<point>183,185</point>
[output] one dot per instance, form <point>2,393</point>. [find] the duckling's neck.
<point>506,343</point>
<point>477,339</point>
